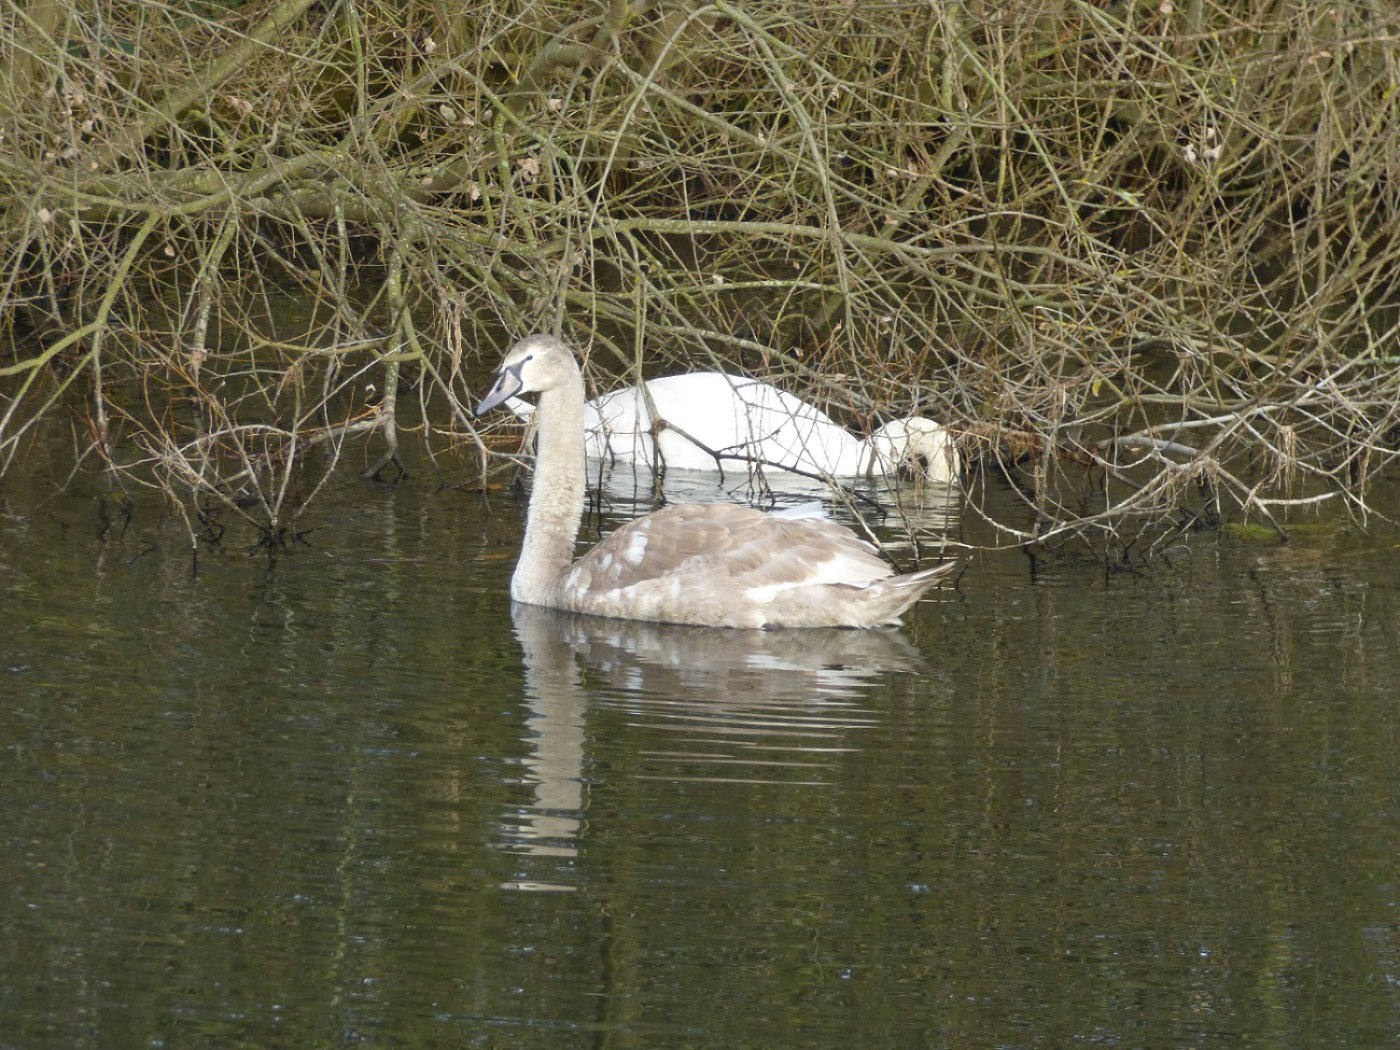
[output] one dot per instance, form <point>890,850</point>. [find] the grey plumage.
<point>715,564</point>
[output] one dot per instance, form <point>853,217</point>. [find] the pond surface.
<point>359,800</point>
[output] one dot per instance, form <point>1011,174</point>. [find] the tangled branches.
<point>1143,260</point>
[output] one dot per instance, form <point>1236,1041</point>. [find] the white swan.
<point>715,564</point>
<point>712,420</point>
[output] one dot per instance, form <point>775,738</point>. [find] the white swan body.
<point>714,564</point>
<point>713,420</point>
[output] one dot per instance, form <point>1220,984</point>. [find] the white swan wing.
<point>704,414</point>
<point>742,419</point>
<point>618,426</point>
<point>710,414</point>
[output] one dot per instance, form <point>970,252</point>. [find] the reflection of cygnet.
<point>717,666</point>
<point>712,420</point>
<point>743,693</point>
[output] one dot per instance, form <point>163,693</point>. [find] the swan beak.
<point>508,384</point>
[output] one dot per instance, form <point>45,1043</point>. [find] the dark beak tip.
<point>507,385</point>
<point>496,397</point>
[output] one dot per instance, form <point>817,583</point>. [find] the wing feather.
<point>727,565</point>
<point>726,544</point>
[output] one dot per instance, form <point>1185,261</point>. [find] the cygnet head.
<point>915,448</point>
<point>533,365</point>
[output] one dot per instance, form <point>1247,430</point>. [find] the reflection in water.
<point>550,825</point>
<point>926,507</point>
<point>734,670</point>
<point>741,706</point>
<point>1116,809</point>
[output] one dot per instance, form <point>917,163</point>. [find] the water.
<point>357,800</point>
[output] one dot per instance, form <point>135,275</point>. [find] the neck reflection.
<point>716,705</point>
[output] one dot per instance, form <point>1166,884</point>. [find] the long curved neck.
<point>556,498</point>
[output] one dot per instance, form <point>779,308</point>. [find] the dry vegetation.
<point>1142,256</point>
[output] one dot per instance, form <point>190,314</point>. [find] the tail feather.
<point>891,597</point>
